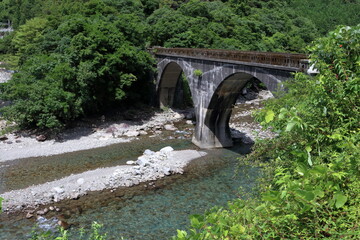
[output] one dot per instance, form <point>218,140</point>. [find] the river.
<point>152,210</point>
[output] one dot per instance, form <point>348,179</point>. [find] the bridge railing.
<point>281,59</point>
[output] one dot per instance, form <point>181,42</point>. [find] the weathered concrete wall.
<point>214,92</point>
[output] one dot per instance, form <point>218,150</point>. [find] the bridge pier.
<point>222,76</point>
<point>212,133</point>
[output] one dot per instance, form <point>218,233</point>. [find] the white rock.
<point>170,127</point>
<point>142,133</point>
<point>58,190</point>
<point>189,122</point>
<point>75,195</point>
<point>167,149</point>
<point>148,152</point>
<point>80,181</point>
<point>177,115</point>
<point>143,161</point>
<point>167,171</point>
<point>130,162</point>
<point>132,133</point>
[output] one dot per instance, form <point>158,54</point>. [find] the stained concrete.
<point>214,91</point>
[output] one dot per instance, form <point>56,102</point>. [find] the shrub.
<point>311,183</point>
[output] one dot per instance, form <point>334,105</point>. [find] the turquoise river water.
<point>148,211</point>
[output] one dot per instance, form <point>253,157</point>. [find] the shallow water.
<point>157,210</point>
<point>43,169</point>
<point>152,210</point>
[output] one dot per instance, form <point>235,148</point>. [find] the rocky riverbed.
<point>148,167</point>
<point>23,144</point>
<point>5,74</point>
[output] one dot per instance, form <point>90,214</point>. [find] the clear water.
<point>154,211</point>
<point>148,211</point>
<point>43,169</point>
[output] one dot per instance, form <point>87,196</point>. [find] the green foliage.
<point>81,65</point>
<point>29,35</point>
<point>266,26</point>
<point>328,14</point>
<point>94,234</point>
<point>9,61</point>
<point>311,183</point>
<point>198,73</point>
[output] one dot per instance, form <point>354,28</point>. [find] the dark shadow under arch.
<point>221,105</point>
<point>167,84</point>
<point>173,88</point>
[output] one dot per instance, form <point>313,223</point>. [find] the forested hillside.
<point>89,55</point>
<point>80,57</point>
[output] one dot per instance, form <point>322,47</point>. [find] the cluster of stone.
<point>150,166</point>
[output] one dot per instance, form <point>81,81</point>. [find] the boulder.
<point>167,171</point>
<point>149,152</point>
<point>58,190</point>
<point>142,133</point>
<point>40,212</point>
<point>80,181</point>
<point>167,149</point>
<point>132,133</point>
<point>130,162</point>
<point>41,138</point>
<point>143,161</point>
<point>75,195</point>
<point>3,138</point>
<point>170,127</point>
<point>189,122</point>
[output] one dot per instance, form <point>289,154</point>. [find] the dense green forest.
<point>82,57</point>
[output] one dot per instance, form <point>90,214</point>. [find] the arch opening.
<point>216,131</point>
<point>173,89</point>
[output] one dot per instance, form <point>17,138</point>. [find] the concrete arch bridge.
<point>216,78</point>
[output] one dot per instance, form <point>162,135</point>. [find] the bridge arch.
<point>169,76</point>
<point>215,90</point>
<point>218,113</point>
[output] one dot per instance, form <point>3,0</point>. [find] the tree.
<point>86,65</point>
<point>311,183</point>
<point>28,35</point>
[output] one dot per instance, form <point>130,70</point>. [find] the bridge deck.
<point>299,61</point>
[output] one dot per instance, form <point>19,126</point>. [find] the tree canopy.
<point>92,53</point>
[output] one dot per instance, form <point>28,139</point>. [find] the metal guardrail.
<point>299,61</point>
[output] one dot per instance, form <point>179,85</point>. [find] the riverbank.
<point>24,145</point>
<point>105,132</point>
<point>19,145</point>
